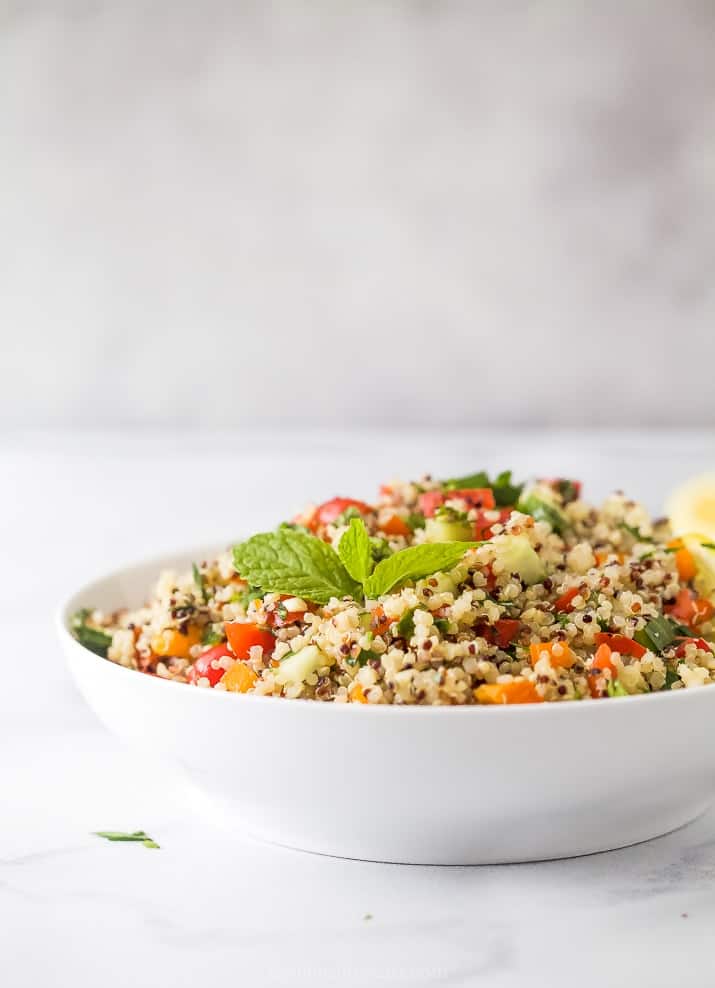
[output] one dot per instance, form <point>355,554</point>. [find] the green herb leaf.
<point>442,625</point>
<point>137,837</point>
<point>94,639</point>
<point>199,581</point>
<point>346,516</point>
<point>406,624</point>
<point>708,545</point>
<point>365,655</point>
<point>416,521</point>
<point>671,676</point>
<point>470,482</point>
<point>658,633</point>
<point>567,489</point>
<point>505,492</point>
<point>290,562</point>
<point>541,510</point>
<point>413,563</point>
<point>245,597</point>
<point>211,637</point>
<point>635,533</point>
<point>355,550</point>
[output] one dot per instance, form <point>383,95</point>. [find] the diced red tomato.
<point>243,635</point>
<point>602,662</point>
<point>490,577</point>
<point>396,526</point>
<point>476,497</point>
<point>621,644</point>
<point>700,642</point>
<point>563,604</point>
<point>203,667</point>
<point>690,609</point>
<point>483,526</point>
<point>502,633</point>
<point>329,511</point>
<point>429,501</point>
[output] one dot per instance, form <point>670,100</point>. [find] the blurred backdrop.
<point>411,213</point>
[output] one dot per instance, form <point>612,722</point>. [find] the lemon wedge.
<point>702,549</point>
<point>691,507</point>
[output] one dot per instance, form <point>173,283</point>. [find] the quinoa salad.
<point>464,591</point>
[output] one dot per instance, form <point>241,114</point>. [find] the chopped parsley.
<point>94,639</point>
<point>211,637</point>
<point>406,624</point>
<point>505,492</point>
<point>658,634</point>
<point>200,581</point>
<point>635,532</point>
<point>365,655</point>
<point>346,516</point>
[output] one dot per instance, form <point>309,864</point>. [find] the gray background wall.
<point>301,213</point>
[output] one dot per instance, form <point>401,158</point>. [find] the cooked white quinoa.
<point>528,614</point>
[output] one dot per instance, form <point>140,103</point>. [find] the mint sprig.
<point>291,562</point>
<point>414,563</point>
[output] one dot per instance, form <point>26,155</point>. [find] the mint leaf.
<point>291,562</point>
<point>413,563</point>
<point>355,550</point>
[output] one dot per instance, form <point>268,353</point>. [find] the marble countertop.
<point>212,907</point>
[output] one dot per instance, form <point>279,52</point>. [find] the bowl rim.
<point>68,604</point>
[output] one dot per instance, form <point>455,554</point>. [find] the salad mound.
<point>472,590</point>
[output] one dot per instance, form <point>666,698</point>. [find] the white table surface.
<point>212,907</point>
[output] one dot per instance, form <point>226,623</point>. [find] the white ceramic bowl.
<point>428,785</point>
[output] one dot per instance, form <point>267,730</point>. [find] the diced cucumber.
<point>445,530</point>
<point>296,668</point>
<point>441,582</point>
<point>516,555</point>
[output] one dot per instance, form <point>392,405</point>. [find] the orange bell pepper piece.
<point>516,691</point>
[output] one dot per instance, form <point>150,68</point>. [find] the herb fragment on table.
<point>136,837</point>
